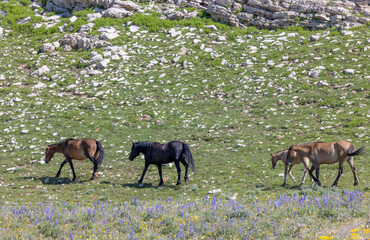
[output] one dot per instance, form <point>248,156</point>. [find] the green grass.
<point>214,107</point>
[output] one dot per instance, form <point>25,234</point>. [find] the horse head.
<point>274,160</point>
<point>49,154</point>
<point>290,155</point>
<point>134,152</point>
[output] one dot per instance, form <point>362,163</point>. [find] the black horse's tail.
<point>189,156</point>
<point>351,151</point>
<point>99,160</point>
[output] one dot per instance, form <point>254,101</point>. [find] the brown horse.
<point>79,150</point>
<point>282,156</point>
<point>326,153</point>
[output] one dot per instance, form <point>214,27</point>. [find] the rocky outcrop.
<point>313,14</point>
<point>270,14</point>
<point>81,41</point>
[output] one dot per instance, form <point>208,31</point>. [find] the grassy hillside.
<point>234,100</point>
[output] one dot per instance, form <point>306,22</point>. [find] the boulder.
<point>116,13</point>
<point>40,71</point>
<point>47,47</point>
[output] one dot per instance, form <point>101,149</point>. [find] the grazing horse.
<point>158,154</point>
<point>282,156</point>
<point>326,153</point>
<point>79,150</point>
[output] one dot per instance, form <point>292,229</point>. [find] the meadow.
<point>233,100</point>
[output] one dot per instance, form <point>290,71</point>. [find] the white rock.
<point>102,64</point>
<point>42,70</point>
<point>349,71</point>
<point>24,131</point>
<point>39,85</point>
<point>215,191</point>
<point>47,47</point>
<point>134,28</point>
<point>87,27</point>
<point>174,33</point>
<point>211,27</point>
<point>109,36</point>
<point>56,44</point>
<point>116,13</point>
<point>221,38</point>
<point>72,19</point>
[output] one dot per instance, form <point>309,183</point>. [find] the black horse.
<point>158,154</point>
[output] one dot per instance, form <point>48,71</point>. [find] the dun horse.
<point>282,155</point>
<point>158,154</point>
<point>326,153</point>
<point>79,150</point>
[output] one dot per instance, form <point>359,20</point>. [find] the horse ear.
<point>271,154</point>
<point>291,147</point>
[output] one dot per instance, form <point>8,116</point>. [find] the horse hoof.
<point>178,183</point>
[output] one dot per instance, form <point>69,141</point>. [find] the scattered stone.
<point>117,13</point>
<point>72,19</point>
<point>81,41</point>
<point>39,72</point>
<point>349,71</point>
<point>86,28</point>
<point>108,33</point>
<point>279,137</point>
<point>39,85</point>
<point>211,27</point>
<point>314,73</point>
<point>24,20</point>
<point>134,28</point>
<point>315,38</point>
<point>145,117</point>
<point>102,64</point>
<point>221,38</point>
<point>47,47</point>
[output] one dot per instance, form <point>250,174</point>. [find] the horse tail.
<point>99,160</point>
<point>189,156</point>
<point>351,151</point>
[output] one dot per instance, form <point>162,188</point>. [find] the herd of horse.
<point>178,152</point>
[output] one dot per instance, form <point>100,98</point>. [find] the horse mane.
<point>145,145</point>
<point>50,145</point>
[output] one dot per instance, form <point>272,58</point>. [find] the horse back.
<point>332,152</point>
<point>166,153</point>
<point>79,149</point>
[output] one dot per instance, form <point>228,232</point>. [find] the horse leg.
<point>285,173</point>
<point>144,171</point>
<point>312,176</point>
<point>290,173</point>
<point>340,171</point>
<point>352,165</point>
<point>60,169</point>
<point>186,169</point>
<point>306,169</point>
<point>93,160</point>
<point>73,170</point>
<point>317,172</point>
<point>177,164</point>
<point>160,174</point>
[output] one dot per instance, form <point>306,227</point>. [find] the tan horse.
<point>326,153</point>
<point>79,150</point>
<point>282,155</point>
